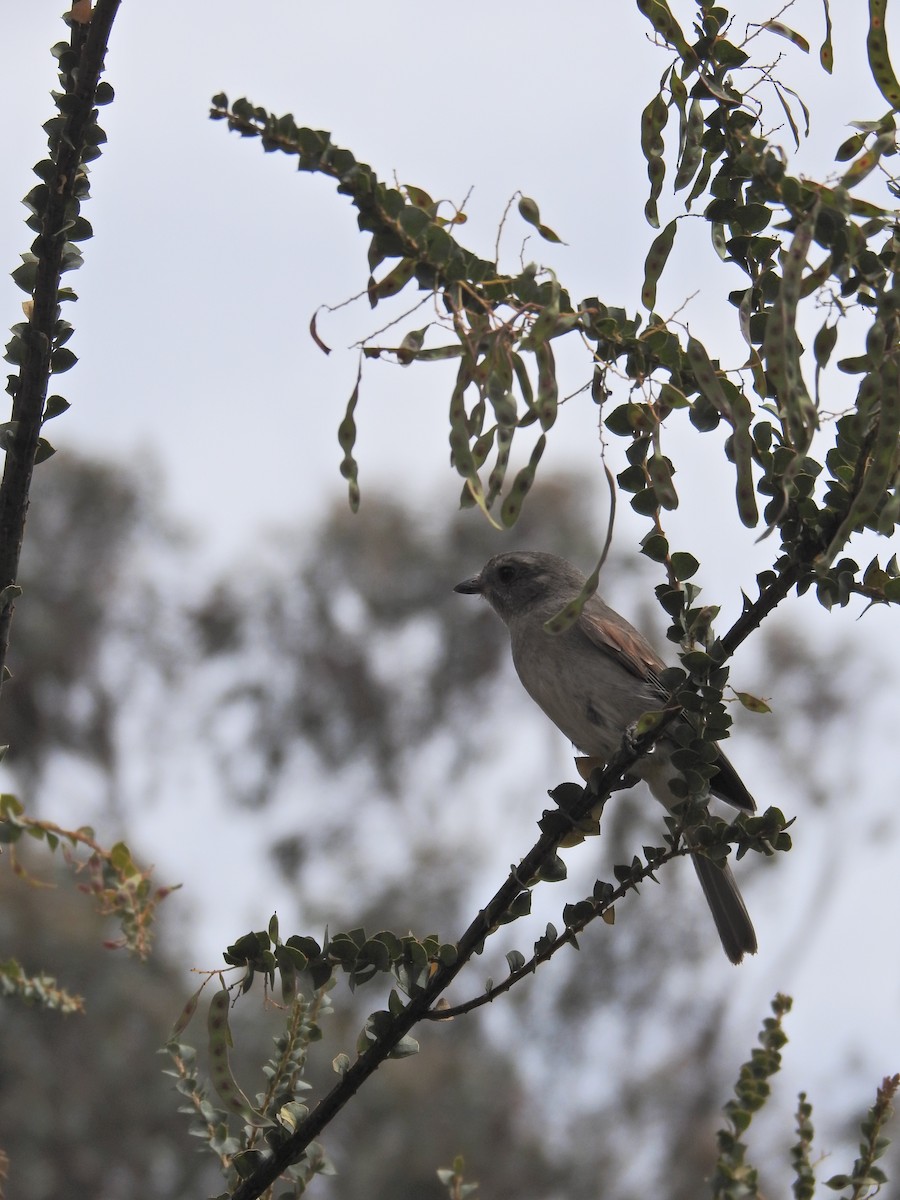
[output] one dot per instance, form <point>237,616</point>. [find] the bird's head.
<point>521,580</point>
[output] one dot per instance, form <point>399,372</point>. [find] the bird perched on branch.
<point>593,681</point>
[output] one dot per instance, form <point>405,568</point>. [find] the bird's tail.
<point>727,907</point>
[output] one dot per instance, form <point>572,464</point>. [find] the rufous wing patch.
<point>625,644</point>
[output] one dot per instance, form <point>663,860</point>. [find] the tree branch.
<point>65,183</point>
<point>557,824</point>
<point>597,909</point>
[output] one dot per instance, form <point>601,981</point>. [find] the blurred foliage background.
<point>366,714</point>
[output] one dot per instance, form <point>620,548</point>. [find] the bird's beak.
<point>470,587</point>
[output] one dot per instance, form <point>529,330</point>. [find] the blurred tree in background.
<point>377,579</point>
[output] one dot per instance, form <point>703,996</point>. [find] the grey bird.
<point>593,681</point>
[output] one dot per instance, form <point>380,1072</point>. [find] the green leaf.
<point>837,1182</point>
<point>71,258</point>
<point>851,146</point>
<point>405,1048</point>
<point>672,397</point>
<point>824,343</point>
<point>753,703</point>
<point>516,961</point>
<point>62,360</point>
<point>660,470</point>
<point>751,218</point>
<point>54,407</point>
<point>43,451</point>
<point>655,547</point>
<point>857,365</point>
<point>411,344</point>
<point>684,565</point>
<point>393,282</point>
<point>291,1114</point>
<point>554,870</point>
<point>79,230</point>
<point>414,221</point>
<point>645,502</point>
<point>245,1162</point>
<point>727,54</point>
<point>25,276</point>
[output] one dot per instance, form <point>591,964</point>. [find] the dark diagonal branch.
<point>557,825</point>
<point>65,178</point>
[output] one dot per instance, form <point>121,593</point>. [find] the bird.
<point>593,681</point>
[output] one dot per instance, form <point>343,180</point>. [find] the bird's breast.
<point>583,691</point>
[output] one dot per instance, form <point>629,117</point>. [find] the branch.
<point>557,825</point>
<point>592,909</point>
<point>65,179</point>
<point>769,599</point>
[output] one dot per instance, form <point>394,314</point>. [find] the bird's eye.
<point>506,573</point>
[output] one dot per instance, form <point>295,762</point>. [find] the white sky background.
<point>210,257</point>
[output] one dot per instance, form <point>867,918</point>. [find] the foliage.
<point>736,1179</point>
<point>119,886</point>
<point>801,244</point>
<point>423,970</point>
<point>84,1109</point>
<point>762,219</point>
<point>260,627</point>
<point>38,347</point>
<point>278,1109</point>
<point>36,989</point>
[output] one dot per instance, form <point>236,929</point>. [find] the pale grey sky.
<point>210,257</point>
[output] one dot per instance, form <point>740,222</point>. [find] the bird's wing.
<point>636,655</point>
<point>623,643</point>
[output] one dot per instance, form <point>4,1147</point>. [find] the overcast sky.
<point>210,257</point>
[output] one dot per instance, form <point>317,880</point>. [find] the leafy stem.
<point>37,346</point>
